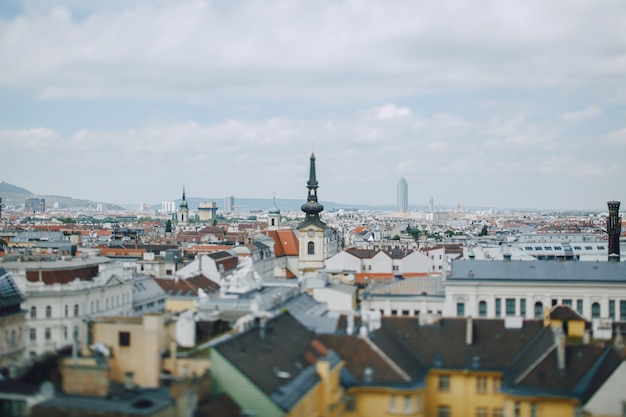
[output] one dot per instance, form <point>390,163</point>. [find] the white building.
<point>61,293</point>
<point>501,288</point>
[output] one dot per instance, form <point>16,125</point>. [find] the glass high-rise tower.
<point>403,195</point>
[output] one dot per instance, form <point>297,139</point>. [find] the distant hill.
<point>13,195</point>
<point>6,188</point>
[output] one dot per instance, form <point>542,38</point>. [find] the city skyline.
<point>486,104</point>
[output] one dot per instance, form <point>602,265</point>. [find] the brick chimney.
<point>614,229</point>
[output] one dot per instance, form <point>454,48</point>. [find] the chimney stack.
<point>469,331</point>
<point>560,349</point>
<point>614,229</point>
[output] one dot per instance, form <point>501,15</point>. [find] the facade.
<point>12,322</point>
<point>59,294</point>
<point>35,205</point>
<point>312,229</point>
<point>507,288</point>
<point>403,196</point>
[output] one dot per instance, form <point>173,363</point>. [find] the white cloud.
<point>576,117</point>
<point>332,49</point>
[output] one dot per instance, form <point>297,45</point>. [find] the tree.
<point>484,231</point>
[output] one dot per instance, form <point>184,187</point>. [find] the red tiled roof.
<point>62,276</point>
<point>188,287</point>
<point>285,242</point>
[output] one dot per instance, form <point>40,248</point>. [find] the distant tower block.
<point>207,210</point>
<point>614,229</point>
<point>229,203</point>
<point>403,195</point>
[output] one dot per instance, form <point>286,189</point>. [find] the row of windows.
<point>482,384</point>
<point>510,305</point>
<point>542,248</point>
<point>48,333</point>
<point>33,311</point>
<point>444,411</point>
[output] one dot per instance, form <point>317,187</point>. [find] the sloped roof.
<point>187,287</point>
<point>10,295</point>
<point>359,354</point>
<point>562,312</point>
<point>443,344</point>
<point>280,361</point>
<point>285,242</point>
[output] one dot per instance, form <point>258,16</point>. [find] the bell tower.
<point>182,216</point>
<point>312,229</point>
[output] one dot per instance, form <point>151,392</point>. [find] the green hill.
<point>13,195</point>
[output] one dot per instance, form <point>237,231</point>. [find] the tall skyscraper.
<point>403,195</point>
<point>229,203</point>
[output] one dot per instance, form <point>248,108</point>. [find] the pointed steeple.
<point>183,203</point>
<point>312,208</point>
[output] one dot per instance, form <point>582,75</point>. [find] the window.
<point>460,309</point>
<point>444,382</point>
<point>482,309</point>
<point>482,412</point>
<point>124,338</point>
<point>75,334</point>
<point>497,383</point>
<point>510,306</point>
<point>522,307</point>
<point>392,403</point>
<point>528,247</point>
<point>538,310</point>
<point>443,411</point>
<point>533,409</point>
<point>498,412</point>
<point>600,247</point>
<point>350,404</point>
<point>311,248</point>
<point>12,338</point>
<point>558,248</point>
<point>538,248</point>
<point>622,310</point>
<point>612,309</point>
<point>481,384</point>
<point>579,306</point>
<point>588,248</point>
<point>408,404</point>
<point>567,302</point>
<point>65,332</point>
<point>595,310</point>
<point>498,307</point>
<point>66,310</point>
<point>48,312</point>
<point>75,310</point>
<point>33,335</point>
<point>33,312</point>
<point>516,409</point>
<point>48,333</point>
<point>578,247</point>
<point>548,247</point>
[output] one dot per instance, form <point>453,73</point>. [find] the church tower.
<point>182,216</point>
<point>273,217</point>
<point>312,229</point>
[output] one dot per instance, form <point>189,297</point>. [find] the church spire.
<point>312,208</point>
<point>183,203</point>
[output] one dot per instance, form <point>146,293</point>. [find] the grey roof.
<point>280,360</point>
<point>144,402</point>
<point>509,270</point>
<point>311,313</point>
<point>10,295</point>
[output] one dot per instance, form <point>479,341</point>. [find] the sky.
<point>502,104</point>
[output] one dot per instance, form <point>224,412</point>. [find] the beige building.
<point>12,322</point>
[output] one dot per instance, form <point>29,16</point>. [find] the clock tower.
<point>312,229</point>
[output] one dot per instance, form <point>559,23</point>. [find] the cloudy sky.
<point>488,103</point>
